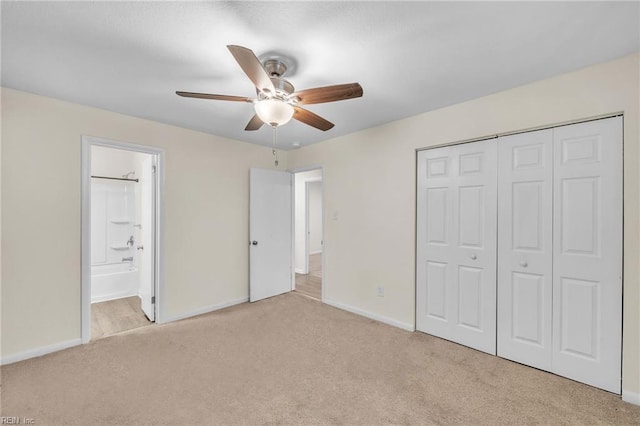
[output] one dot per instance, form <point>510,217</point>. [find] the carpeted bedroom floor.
<point>292,360</point>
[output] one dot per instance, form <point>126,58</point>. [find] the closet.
<point>519,248</point>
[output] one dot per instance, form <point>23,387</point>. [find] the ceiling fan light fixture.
<point>274,112</point>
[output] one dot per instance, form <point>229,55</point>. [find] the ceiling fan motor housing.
<point>283,89</point>
<point>275,67</point>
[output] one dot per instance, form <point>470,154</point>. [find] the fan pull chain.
<point>275,141</point>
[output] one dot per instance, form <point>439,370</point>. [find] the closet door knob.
<point>524,264</point>
<point>473,257</point>
<point>255,243</point>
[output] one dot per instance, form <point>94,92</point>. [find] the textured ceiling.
<point>410,57</point>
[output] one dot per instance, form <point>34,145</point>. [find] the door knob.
<point>474,257</point>
<point>524,264</point>
<point>254,242</point>
<point>140,247</point>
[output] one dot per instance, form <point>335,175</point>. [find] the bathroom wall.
<point>113,211</point>
<point>110,200</point>
<point>116,163</point>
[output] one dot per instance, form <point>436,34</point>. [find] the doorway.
<point>308,234</point>
<point>120,237</point>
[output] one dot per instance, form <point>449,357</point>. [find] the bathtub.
<point>113,281</point>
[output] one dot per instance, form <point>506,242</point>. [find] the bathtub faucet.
<point>130,242</point>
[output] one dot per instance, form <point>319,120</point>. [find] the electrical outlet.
<point>380,291</point>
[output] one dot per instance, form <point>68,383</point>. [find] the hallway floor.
<point>311,284</point>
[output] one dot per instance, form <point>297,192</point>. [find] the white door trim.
<point>87,142</point>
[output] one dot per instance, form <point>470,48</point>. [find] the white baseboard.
<point>43,350</point>
<point>205,310</point>
<point>300,271</point>
<point>371,315</point>
<point>315,252</point>
<point>631,397</point>
<point>114,296</point>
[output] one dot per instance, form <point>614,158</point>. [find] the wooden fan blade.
<point>216,97</point>
<point>252,68</point>
<point>319,95</point>
<point>313,120</point>
<point>255,123</point>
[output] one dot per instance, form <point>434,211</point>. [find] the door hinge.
<point>153,300</point>
<point>153,169</point>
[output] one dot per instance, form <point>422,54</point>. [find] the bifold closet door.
<point>587,260</point>
<point>456,243</point>
<point>525,247</point>
<point>560,251</point>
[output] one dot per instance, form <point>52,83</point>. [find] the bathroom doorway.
<point>308,234</point>
<point>120,237</point>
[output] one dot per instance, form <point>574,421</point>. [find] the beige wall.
<point>206,206</point>
<point>369,181</point>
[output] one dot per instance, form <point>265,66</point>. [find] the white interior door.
<point>525,190</point>
<point>146,256</point>
<point>270,233</point>
<point>587,260</point>
<point>456,244</point>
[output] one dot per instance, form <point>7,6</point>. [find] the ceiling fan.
<point>277,100</point>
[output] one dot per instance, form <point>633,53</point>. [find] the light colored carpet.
<point>116,316</point>
<point>292,360</point>
<point>311,284</point>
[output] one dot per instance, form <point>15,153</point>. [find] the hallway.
<point>311,284</point>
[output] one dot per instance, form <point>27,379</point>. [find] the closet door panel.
<point>525,187</point>
<point>434,246</point>
<point>456,244</point>
<point>587,276</point>
<point>474,288</point>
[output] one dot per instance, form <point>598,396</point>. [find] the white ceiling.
<point>410,57</point>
